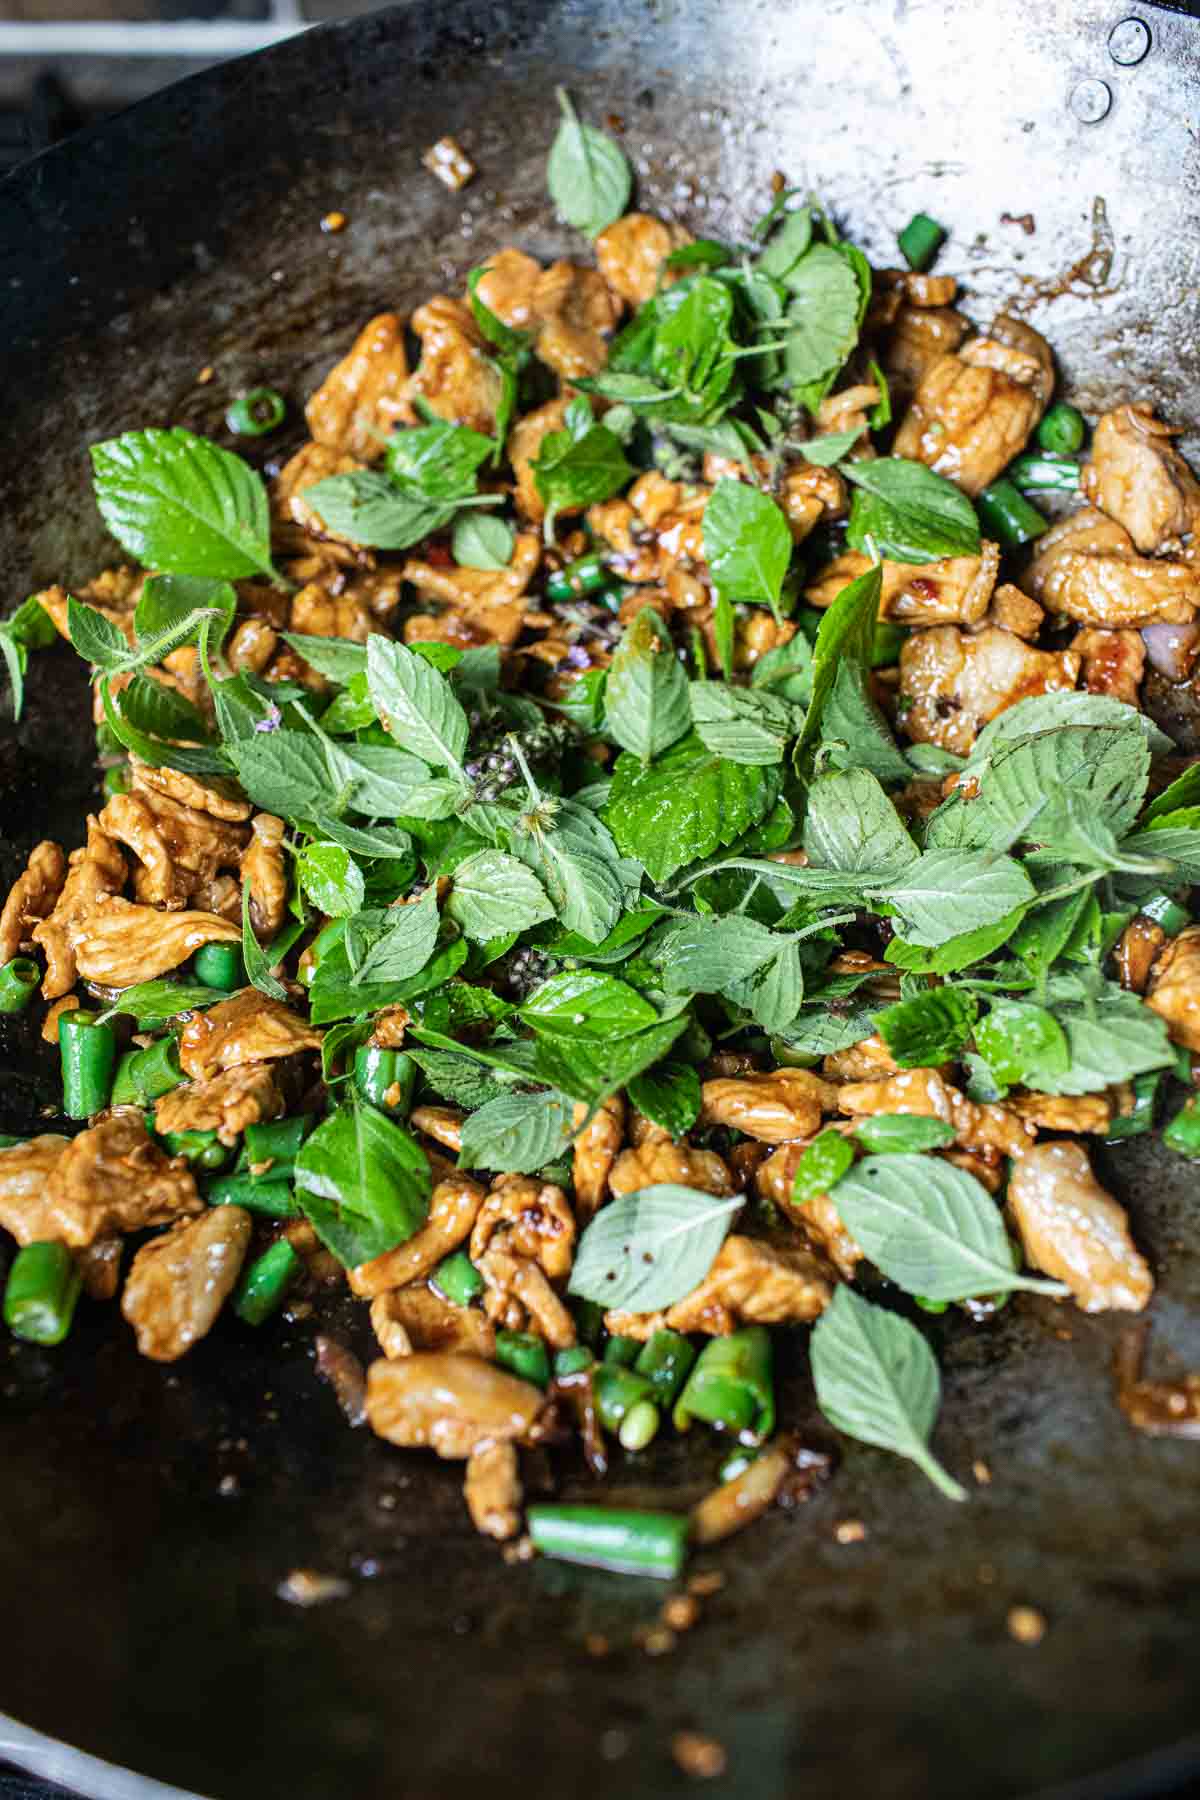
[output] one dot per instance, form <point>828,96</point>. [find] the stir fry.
<point>637,837</point>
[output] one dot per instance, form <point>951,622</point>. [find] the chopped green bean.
<point>203,1148</point>
<point>264,1285</point>
<point>586,575</point>
<point>274,1198</point>
<point>731,1387</point>
<point>220,966</point>
<point>116,781</point>
<point>1182,1133</point>
<point>1062,430</point>
<point>525,1355</point>
<point>256,413</point>
<point>270,1149</point>
<point>617,1391</point>
<point>665,1359</point>
<point>39,1297</point>
<point>145,1075</point>
<point>736,1463</point>
<point>1045,472</point>
<point>622,1351</point>
<point>573,1361</point>
<point>639,1427</point>
<point>1006,515</point>
<point>921,240</point>
<point>386,1079</point>
<point>626,1542</point>
<point>88,1052</point>
<point>18,984</point>
<point>458,1279</point>
<point>1141,1118</point>
<point>821,1165</point>
<point>1167,912</point>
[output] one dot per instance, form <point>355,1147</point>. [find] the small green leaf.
<point>908,512</point>
<point>587,1003</point>
<point>890,1134</point>
<point>852,825</point>
<point>946,892</point>
<point>1020,1041</point>
<point>180,504</point>
<point>747,543</point>
<point>416,703</point>
<point>482,541</point>
<point>517,1133</point>
<point>740,725</point>
<point>330,878</point>
<point>95,638</point>
<point>646,697</point>
<point>493,894</point>
<point>363,1183</point>
<point>821,1166</point>
<point>931,1028</point>
<point>822,315</point>
<point>588,175</point>
<point>439,460</point>
<point>258,962</point>
<point>846,634</point>
<point>668,1095</point>
<point>687,804</point>
<point>645,1251</point>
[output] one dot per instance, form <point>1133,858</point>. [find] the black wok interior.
<point>147,1518</point>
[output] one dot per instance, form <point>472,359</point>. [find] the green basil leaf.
<point>283,772</point>
<point>416,703</point>
<point>1019,1041</point>
<point>16,657</point>
<point>482,541</point>
<point>846,634</point>
<point>457,1078</point>
<point>517,1133</point>
<point>703,955</point>
<point>958,952</point>
<point>646,697</point>
<point>786,671</point>
<point>932,1229</point>
<point>335,994</point>
<point>687,804</point>
<point>386,841</point>
<point>931,1028</point>
<point>852,825</point>
<point>368,508</point>
<point>1048,712</point>
<point>439,460</point>
<point>258,962</point>
<point>787,245</point>
<point>96,639</point>
<point>668,1095</point>
<point>197,760</point>
<point>31,625</point>
<point>587,1003</point>
<point>877,1380</point>
<point>335,658</point>
<point>152,706</point>
<point>647,1250</point>
<point>589,1070</point>
<point>821,1166</point>
<point>854,727</point>
<point>494,893</point>
<point>570,471</point>
<point>910,513</point>
<point>820,1032</point>
<point>774,994</point>
<point>822,315</point>
<point>946,892</point>
<point>741,726</point>
<point>180,504</point>
<point>823,452</point>
<point>167,602</point>
<point>1111,1036</point>
<point>747,543</point>
<point>404,944</point>
<point>1031,789</point>
<point>588,175</point>
<point>363,1183</point>
<point>155,1003</point>
<point>890,1134</point>
<point>330,878</point>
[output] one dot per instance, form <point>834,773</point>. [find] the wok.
<point>147,1518</point>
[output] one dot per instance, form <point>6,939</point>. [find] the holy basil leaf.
<point>1020,1042</point>
<point>405,943</point>
<point>482,541</point>
<point>336,658</point>
<point>741,726</point>
<point>786,671</point>
<point>381,780</point>
<point>385,841</point>
<point>958,952</point>
<point>587,1003</point>
<point>182,505</point>
<point>152,706</point>
<point>259,964</point>
<point>1030,789</point>
<point>167,602</point>
<point>747,543</point>
<point>588,175</point>
<point>580,874</point>
<point>457,1078</point>
<point>932,1229</point>
<point>854,728</point>
<point>931,1028</point>
<point>946,892</point>
<point>852,825</point>
<point>368,508</point>
<point>823,452</point>
<point>910,513</point>
<point>155,1003</point>
<point>1048,712</point>
<point>96,639</point>
<point>818,1031</point>
<point>191,760</point>
<point>687,804</point>
<point>574,472</point>
<point>647,1250</point>
<point>846,634</point>
<point>788,243</point>
<point>774,994</point>
<point>330,878</point>
<point>590,1070</point>
<point>668,1095</point>
<point>438,460</point>
<point>334,993</point>
<point>877,1380</point>
<point>416,703</point>
<point>517,1133</point>
<point>646,696</point>
<point>703,955</point>
<point>890,1134</point>
<point>283,772</point>
<point>1112,1036</point>
<point>822,315</point>
<point>363,1183</point>
<point>690,353</point>
<point>494,893</point>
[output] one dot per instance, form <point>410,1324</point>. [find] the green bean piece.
<point>457,1278</point>
<point>573,1361</point>
<point>1062,430</point>
<point>622,1351</point>
<point>665,1359</point>
<point>821,1166</point>
<point>621,1540</point>
<point>1046,472</point>
<point>731,1387</point>
<point>887,644</point>
<point>586,575</point>
<point>264,1285</point>
<point>88,1052</point>
<point>921,240</point>
<point>640,1426</point>
<point>18,984</point>
<point>39,1297</point>
<point>1141,1118</point>
<point>204,1149</point>
<point>275,1199</point>
<point>269,1150</point>
<point>322,944</point>
<point>617,1390</point>
<point>116,781</point>
<point>220,966</point>
<point>525,1355</point>
<point>1006,515</point>
<point>386,1079</point>
<point>1182,1133</point>
<point>1166,911</point>
<point>256,413</point>
<point>589,1320</point>
<point>145,1075</point>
